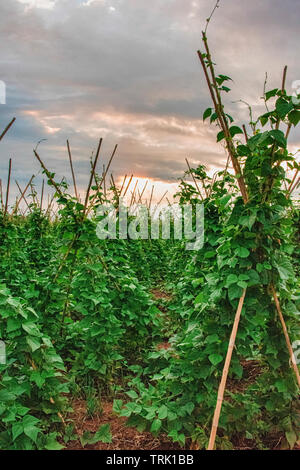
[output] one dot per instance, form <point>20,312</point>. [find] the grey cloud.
<point>138,63</point>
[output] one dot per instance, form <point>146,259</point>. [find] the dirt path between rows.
<point>123,437</point>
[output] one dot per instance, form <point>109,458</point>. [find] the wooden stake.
<point>286,335</point>
<point>42,196</point>
<point>109,163</point>
<point>72,170</point>
<point>103,177</point>
<point>1,194</point>
<point>194,179</point>
<point>122,187</point>
<point>22,195</point>
<point>47,173</point>
<point>7,188</point>
<point>150,202</point>
<point>133,194</point>
<point>91,177</point>
<point>127,186</point>
<point>141,195</point>
<point>104,181</point>
<point>7,128</point>
<point>225,373</point>
<point>295,186</point>
<point>216,98</point>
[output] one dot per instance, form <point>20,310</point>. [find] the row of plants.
<point>78,316</point>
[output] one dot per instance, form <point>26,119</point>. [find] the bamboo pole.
<point>22,195</point>
<point>109,163</point>
<point>92,177</point>
<point>142,193</point>
<point>33,195</point>
<point>150,202</point>
<point>222,385</point>
<point>122,187</point>
<point>72,170</point>
<point>42,196</point>
<point>292,182</point>
<point>245,133</point>
<point>194,179</point>
<point>125,192</point>
<point>286,335</point>
<point>48,211</point>
<point>295,186</point>
<point>104,181</point>
<point>162,197</point>
<point>103,177</point>
<point>47,173</point>
<point>7,188</point>
<point>215,95</point>
<point>1,194</point>
<point>7,128</point>
<point>133,194</point>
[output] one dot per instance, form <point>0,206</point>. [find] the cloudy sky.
<point>127,71</point>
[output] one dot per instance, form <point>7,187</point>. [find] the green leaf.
<point>248,220</point>
<point>215,359</point>
<point>253,277</point>
<point>52,444</point>
<point>283,107</point>
<point>242,252</point>
<point>162,412</point>
<point>103,434</point>
<point>257,140</point>
<point>86,438</point>
<point>237,369</point>
<point>284,267</point>
<point>234,292</point>
<point>291,437</point>
<point>281,386</point>
<point>242,284</point>
<point>207,113</point>
<point>33,343</point>
<point>5,395</point>
<point>31,328</point>
<point>209,254</point>
<point>132,394</point>
<point>224,200</point>
<point>220,136</point>
<point>13,324</point>
<point>213,117</point>
<point>234,130</point>
<point>117,406</point>
<point>196,282</point>
<point>17,430</point>
<point>37,378</point>
<point>189,407</point>
<point>279,137</point>
<point>264,119</point>
<point>294,117</point>
<point>30,428</point>
<point>231,279</point>
<point>243,151</point>
<point>156,425</point>
<point>271,93</point>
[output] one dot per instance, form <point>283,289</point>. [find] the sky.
<point>127,71</point>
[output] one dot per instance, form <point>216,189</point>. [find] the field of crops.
<point>117,344</point>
